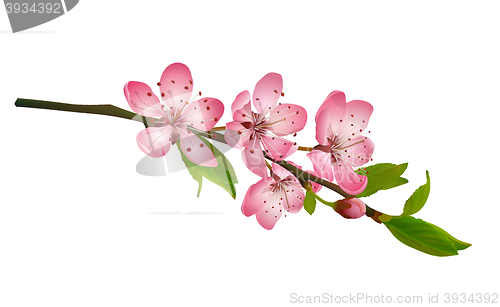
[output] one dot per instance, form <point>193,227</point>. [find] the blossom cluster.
<point>262,128</point>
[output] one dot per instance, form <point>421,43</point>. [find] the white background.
<point>79,226</point>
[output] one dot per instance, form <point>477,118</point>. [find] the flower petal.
<point>268,217</point>
<point>349,181</point>
<point>278,148</point>
<point>327,123</point>
<point>257,197</point>
<point>282,172</point>
<point>234,134</point>
<point>176,85</point>
<point>240,102</point>
<point>294,164</point>
<point>254,160</point>
<point>322,163</point>
<point>292,150</point>
<point>322,121</point>
<point>266,92</point>
<point>293,199</point>
<point>155,141</point>
<point>203,114</point>
<point>315,186</point>
<point>244,115</point>
<point>361,153</point>
<point>139,100</point>
<point>196,150</point>
<point>356,119</point>
<point>287,119</point>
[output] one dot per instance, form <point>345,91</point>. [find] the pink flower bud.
<point>350,208</point>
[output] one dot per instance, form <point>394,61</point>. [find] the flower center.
<point>278,200</point>
<point>345,146</point>
<point>282,190</point>
<point>172,107</point>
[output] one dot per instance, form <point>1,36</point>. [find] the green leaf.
<point>397,182</point>
<point>418,198</point>
<point>421,236</point>
<point>196,174</point>
<point>383,176</point>
<point>223,174</point>
<point>194,170</point>
<point>310,202</point>
<point>459,245</point>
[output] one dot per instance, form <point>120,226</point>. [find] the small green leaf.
<point>383,176</point>
<point>223,174</point>
<point>421,236</point>
<point>310,202</point>
<point>418,198</point>
<point>459,245</point>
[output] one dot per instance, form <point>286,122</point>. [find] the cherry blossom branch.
<point>102,109</point>
<point>305,148</point>
<point>298,173</point>
<point>219,128</point>
<point>111,110</point>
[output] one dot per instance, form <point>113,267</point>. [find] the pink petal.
<point>203,114</point>
<point>335,104</point>
<point>293,198</point>
<point>357,115</point>
<point>277,147</point>
<point>322,163</point>
<point>292,150</point>
<point>233,137</point>
<point>315,186</point>
<point>240,102</point>
<point>294,164</point>
<point>244,114</point>
<point>139,100</point>
<point>288,119</point>
<point>280,171</point>
<point>267,218</point>
<point>254,160</point>
<point>176,85</point>
<point>196,150</point>
<point>322,121</point>
<point>155,141</point>
<point>361,153</point>
<point>267,91</point>
<point>257,197</point>
<point>349,181</point>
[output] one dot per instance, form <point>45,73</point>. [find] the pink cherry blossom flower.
<point>264,129</point>
<point>175,113</point>
<point>340,131</point>
<point>273,196</point>
<point>350,208</point>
